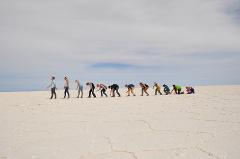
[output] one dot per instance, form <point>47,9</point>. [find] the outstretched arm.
<point>172,90</point>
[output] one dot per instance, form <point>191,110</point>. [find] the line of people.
<point>114,89</point>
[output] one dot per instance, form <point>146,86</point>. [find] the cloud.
<point>117,66</point>
<point>70,37</point>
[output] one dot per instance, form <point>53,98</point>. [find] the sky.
<point>187,42</point>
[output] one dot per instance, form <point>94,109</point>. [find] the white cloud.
<point>60,35</point>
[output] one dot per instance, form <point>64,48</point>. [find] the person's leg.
<point>160,92</point>
<point>128,92</point>
<point>175,90</point>
<point>156,91</point>
<point>51,93</point>
<point>94,95</point>
<point>65,92</point>
<point>90,93</point>
<point>104,92</point>
<point>179,91</point>
<point>132,91</point>
<point>113,92</point>
<point>81,93</point>
<point>118,92</point>
<point>54,92</point>
<point>78,93</point>
<point>145,90</point>
<point>68,92</point>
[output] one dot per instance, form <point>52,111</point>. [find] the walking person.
<point>53,88</point>
<point>66,87</point>
<point>114,88</point>
<point>79,88</point>
<point>103,89</point>
<point>166,89</point>
<point>157,88</point>
<point>144,88</point>
<point>92,88</point>
<point>130,88</point>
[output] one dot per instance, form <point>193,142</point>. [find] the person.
<point>92,88</point>
<point>79,88</point>
<point>177,89</point>
<point>130,88</point>
<point>144,88</point>
<point>66,87</point>
<point>114,88</point>
<point>53,88</point>
<point>190,90</point>
<point>157,88</point>
<point>103,89</point>
<point>166,89</point>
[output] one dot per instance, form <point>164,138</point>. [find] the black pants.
<point>103,92</point>
<point>66,92</point>
<point>53,92</point>
<point>113,92</point>
<point>91,92</point>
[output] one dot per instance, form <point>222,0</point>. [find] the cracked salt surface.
<point>205,125</point>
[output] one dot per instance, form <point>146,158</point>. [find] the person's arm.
<point>49,85</point>
<point>110,91</point>
<point>172,90</point>
<point>98,89</point>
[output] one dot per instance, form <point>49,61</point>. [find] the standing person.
<point>114,88</point>
<point>130,88</point>
<point>157,88</point>
<point>177,89</point>
<point>144,88</point>
<point>66,87</point>
<point>53,88</point>
<point>166,89</point>
<point>79,88</point>
<point>102,88</point>
<point>92,88</point>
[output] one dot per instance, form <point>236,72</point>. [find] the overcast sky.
<point>186,42</point>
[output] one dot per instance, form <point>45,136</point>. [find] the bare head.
<point>53,78</point>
